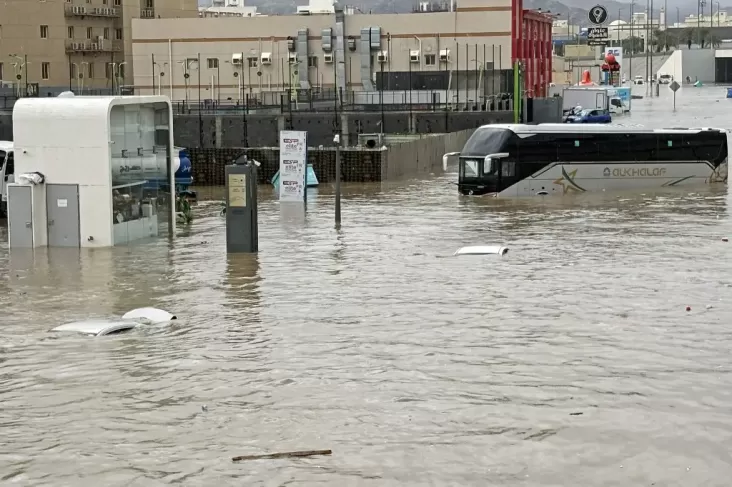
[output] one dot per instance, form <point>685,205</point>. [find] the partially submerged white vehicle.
<point>7,169</point>
<point>130,320</point>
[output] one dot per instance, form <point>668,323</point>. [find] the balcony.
<point>87,11</point>
<point>100,45</point>
<point>147,13</point>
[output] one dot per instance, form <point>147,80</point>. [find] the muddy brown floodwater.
<point>571,361</point>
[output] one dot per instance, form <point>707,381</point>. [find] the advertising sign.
<point>293,165</point>
<point>618,53</point>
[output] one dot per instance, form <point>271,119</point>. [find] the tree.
<point>688,36</point>
<point>632,45</point>
<point>712,40</point>
<point>662,40</point>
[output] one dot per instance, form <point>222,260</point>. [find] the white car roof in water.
<point>556,128</point>
<point>98,327</point>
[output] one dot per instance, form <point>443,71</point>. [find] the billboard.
<point>293,166</point>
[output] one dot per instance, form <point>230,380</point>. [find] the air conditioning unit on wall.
<point>382,56</point>
<point>444,55</point>
<point>413,56</point>
<point>327,58</point>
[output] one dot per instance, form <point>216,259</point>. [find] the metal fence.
<point>329,100</point>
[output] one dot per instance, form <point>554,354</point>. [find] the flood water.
<point>569,361</point>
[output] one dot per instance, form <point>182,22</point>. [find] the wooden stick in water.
<point>287,454</point>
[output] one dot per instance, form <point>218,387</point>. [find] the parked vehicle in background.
<point>591,116</point>
<point>638,80</point>
<point>665,79</point>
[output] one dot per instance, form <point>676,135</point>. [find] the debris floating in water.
<point>482,250</point>
<point>688,308</point>
<point>288,454</point>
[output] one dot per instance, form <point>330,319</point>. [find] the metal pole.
<point>153,73</point>
<point>632,43</point>
<point>476,76</point>
<point>200,118</point>
<point>409,62</point>
<point>243,98</point>
<point>381,97</point>
<point>646,42</point>
<point>338,181</point>
<point>25,65</point>
<point>218,81</point>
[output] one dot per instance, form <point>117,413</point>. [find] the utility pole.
<point>646,44</point>
<point>631,43</point>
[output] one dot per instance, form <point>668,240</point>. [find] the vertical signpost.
<point>293,166</point>
<point>598,34</point>
<point>674,86</point>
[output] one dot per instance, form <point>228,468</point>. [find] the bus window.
<point>10,165</point>
<point>508,169</point>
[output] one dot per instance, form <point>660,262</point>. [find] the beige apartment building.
<point>248,55</point>
<point>74,43</point>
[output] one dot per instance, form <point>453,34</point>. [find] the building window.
<point>71,31</point>
<point>45,70</point>
<point>89,33</point>
<point>118,34</point>
<point>106,33</point>
<point>91,70</point>
<point>104,2</point>
<point>108,70</point>
<point>430,59</point>
<point>312,61</point>
<point>149,4</point>
<point>117,3</point>
<point>1,70</point>
<point>44,32</point>
<point>72,71</point>
<point>252,62</point>
<point>213,63</point>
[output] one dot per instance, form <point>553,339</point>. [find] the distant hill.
<point>576,9</point>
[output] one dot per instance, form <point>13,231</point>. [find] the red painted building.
<point>531,45</point>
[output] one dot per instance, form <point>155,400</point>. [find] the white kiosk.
<point>83,167</point>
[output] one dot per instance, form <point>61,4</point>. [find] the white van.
<point>7,173</point>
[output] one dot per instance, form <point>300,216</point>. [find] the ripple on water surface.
<point>414,367</point>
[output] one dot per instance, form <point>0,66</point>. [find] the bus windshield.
<point>486,141</point>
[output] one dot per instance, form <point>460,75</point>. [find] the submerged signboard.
<point>293,166</point>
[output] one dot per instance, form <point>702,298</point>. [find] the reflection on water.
<point>569,361</point>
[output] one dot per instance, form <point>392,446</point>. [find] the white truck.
<point>6,173</point>
<point>589,97</point>
<point>593,98</point>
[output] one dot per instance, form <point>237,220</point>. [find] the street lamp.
<point>21,70</point>
<point>120,76</point>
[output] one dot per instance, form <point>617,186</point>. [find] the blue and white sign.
<point>293,166</point>
<point>618,53</point>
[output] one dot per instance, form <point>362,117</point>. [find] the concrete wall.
<point>418,157</point>
<point>262,130</point>
<point>421,156</point>
<point>673,66</point>
<point>699,64</point>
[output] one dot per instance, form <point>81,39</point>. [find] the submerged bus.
<point>527,160</point>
